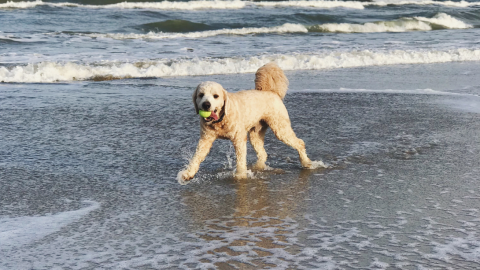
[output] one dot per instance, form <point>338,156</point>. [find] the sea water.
<point>96,120</point>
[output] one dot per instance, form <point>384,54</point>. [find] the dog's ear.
<point>226,105</point>
<point>195,99</point>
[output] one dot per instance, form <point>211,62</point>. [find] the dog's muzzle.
<point>213,117</point>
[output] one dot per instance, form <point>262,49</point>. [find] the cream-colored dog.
<point>249,112</point>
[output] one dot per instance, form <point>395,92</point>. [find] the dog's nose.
<point>206,105</point>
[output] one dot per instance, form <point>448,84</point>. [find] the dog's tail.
<point>270,77</point>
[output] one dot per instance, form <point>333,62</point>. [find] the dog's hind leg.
<point>257,138</point>
<point>282,129</point>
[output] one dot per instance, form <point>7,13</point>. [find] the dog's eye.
<point>215,96</point>
<point>201,95</point>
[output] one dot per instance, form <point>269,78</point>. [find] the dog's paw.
<point>259,166</point>
<point>240,175</point>
<point>306,164</point>
<point>183,177</point>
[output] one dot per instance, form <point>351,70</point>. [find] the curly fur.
<point>270,77</point>
<point>245,113</point>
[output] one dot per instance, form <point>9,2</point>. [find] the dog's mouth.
<point>212,117</point>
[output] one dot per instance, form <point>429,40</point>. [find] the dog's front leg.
<point>203,148</point>
<point>240,144</point>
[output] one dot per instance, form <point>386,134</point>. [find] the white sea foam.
<point>18,231</point>
<point>27,4</point>
<point>317,164</point>
<point>445,20</point>
<point>193,5</point>
<point>285,28</point>
<point>165,5</point>
<point>180,179</point>
<point>313,4</point>
<point>440,20</point>
<point>455,247</point>
<point>55,71</point>
<point>423,2</point>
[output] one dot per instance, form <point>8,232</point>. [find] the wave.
<point>175,26</point>
<point>285,28</point>
<point>47,72</point>
<point>167,5</point>
<point>313,4</point>
<point>423,3</point>
<point>194,5</point>
<point>8,38</point>
<point>439,21</point>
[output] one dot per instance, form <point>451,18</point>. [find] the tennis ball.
<point>204,114</point>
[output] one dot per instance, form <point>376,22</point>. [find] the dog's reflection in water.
<point>248,227</point>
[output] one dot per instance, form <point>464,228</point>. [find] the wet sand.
<point>87,173</point>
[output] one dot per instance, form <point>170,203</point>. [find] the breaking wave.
<point>285,28</point>
<point>192,5</point>
<point>70,71</point>
<point>313,4</point>
<point>439,21</point>
<point>423,2</point>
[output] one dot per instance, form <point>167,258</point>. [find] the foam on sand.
<point>70,71</point>
<point>19,231</point>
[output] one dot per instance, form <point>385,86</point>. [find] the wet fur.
<point>248,112</point>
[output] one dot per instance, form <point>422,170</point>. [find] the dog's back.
<point>270,77</point>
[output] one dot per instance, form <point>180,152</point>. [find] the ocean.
<point>96,120</point>
<point>77,41</point>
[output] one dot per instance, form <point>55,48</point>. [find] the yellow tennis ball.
<point>204,114</point>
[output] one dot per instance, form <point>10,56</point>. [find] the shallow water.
<point>88,169</point>
<point>96,121</point>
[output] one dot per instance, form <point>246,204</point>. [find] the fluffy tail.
<point>270,77</point>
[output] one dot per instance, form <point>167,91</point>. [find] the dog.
<point>248,112</point>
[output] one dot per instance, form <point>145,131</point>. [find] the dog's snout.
<point>206,105</point>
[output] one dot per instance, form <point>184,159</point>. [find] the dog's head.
<point>210,96</point>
